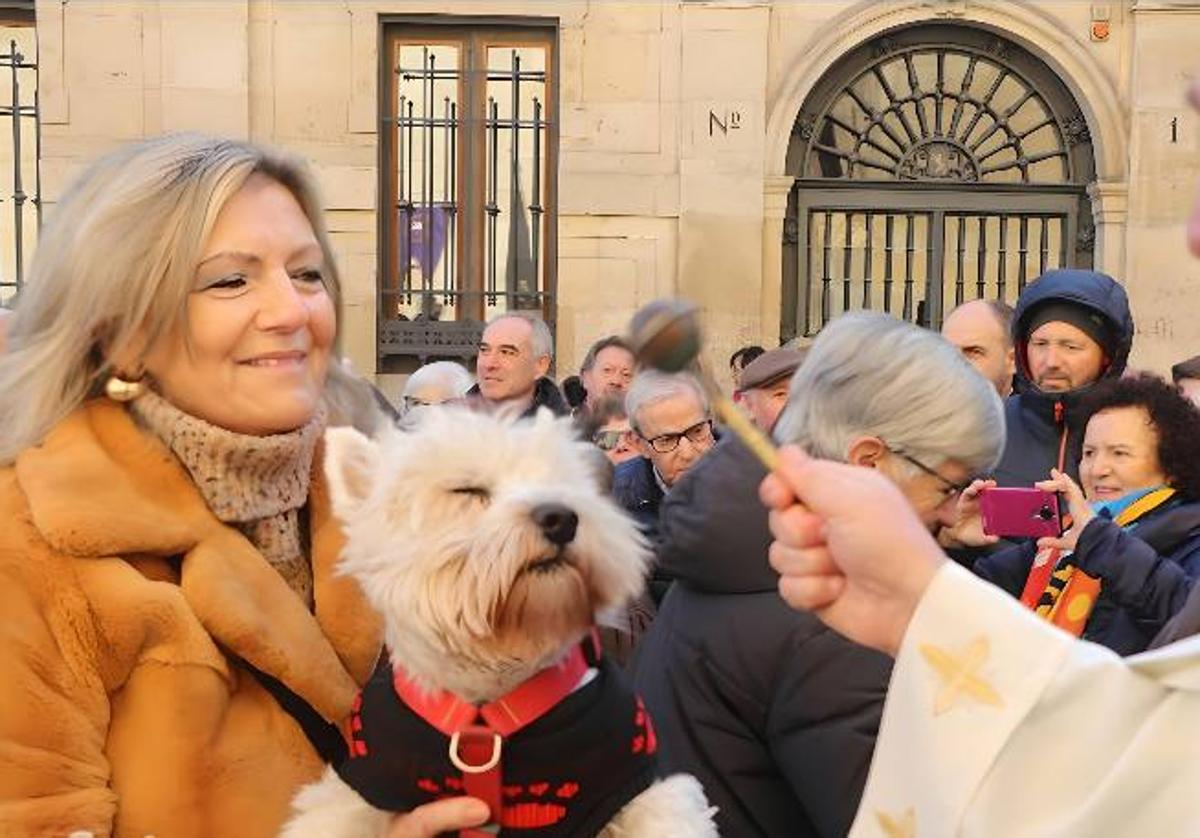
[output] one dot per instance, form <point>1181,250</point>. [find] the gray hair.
<point>540,339</point>
<point>450,379</point>
<point>650,386</point>
<point>114,268</point>
<point>871,374</point>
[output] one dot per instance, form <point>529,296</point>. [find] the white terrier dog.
<point>491,551</point>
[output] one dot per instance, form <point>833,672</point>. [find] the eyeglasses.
<point>950,489</point>
<point>666,443</point>
<point>608,440</point>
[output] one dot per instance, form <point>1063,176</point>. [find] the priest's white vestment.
<point>998,724</point>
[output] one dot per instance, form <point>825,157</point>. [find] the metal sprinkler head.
<point>665,335</point>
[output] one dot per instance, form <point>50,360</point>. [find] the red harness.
<point>477,731</point>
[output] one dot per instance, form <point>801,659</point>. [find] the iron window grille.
<point>935,165</point>
<point>469,161</point>
<point>20,147</point>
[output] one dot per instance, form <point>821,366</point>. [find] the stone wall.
<point>674,123</point>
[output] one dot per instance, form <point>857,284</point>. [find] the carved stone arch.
<point>1032,28</point>
<point>1082,147</point>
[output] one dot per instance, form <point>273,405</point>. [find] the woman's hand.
<point>968,529</point>
<point>848,547</point>
<point>432,819</point>
<point>1080,510</point>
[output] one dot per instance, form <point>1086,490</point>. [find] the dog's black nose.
<point>558,522</point>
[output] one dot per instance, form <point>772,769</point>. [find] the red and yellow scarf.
<point>1062,593</point>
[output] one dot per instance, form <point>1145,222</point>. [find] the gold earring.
<point>122,389</point>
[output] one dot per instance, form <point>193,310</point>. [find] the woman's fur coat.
<point>125,606</point>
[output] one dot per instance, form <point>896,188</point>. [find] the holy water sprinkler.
<point>665,335</point>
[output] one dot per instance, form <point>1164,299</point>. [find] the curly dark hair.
<point>745,355</point>
<point>1176,421</point>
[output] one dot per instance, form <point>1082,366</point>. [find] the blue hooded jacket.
<point>1038,423</point>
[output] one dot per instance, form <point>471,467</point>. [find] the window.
<point>20,148</point>
<point>469,161</point>
<point>934,165</point>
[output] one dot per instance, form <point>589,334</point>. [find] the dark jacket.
<point>1146,573</point>
<point>545,394</point>
<point>636,490</point>
<point>1036,421</point>
<point>773,712</point>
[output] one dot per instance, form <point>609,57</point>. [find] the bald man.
<point>982,331</point>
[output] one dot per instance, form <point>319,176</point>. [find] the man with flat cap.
<point>1071,329</point>
<point>1186,375</point>
<point>763,385</point>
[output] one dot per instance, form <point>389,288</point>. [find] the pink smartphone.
<point>1027,513</point>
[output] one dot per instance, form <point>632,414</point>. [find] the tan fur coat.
<point>123,602</point>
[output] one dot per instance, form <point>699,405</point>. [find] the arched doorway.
<point>934,164</point>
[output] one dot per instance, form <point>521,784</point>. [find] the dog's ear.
<point>350,459</point>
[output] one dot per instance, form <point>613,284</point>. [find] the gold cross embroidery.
<point>957,673</point>
<point>903,827</point>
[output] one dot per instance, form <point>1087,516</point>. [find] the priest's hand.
<point>848,547</point>
<point>433,819</point>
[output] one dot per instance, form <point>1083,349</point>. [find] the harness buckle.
<point>473,738</point>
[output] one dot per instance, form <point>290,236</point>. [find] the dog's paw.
<point>675,806</point>
<point>329,808</point>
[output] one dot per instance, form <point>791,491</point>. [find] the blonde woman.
<point>173,641</point>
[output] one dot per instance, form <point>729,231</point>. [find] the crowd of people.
<point>170,594</point>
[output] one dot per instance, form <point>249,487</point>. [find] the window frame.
<point>473,35</point>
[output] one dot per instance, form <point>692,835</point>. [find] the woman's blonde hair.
<point>114,268</point>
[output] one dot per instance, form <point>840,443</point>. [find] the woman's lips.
<point>276,359</point>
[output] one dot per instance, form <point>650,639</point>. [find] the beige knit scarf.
<point>257,484</point>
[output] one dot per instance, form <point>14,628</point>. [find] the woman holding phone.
<point>1131,552</point>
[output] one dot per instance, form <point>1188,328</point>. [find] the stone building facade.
<point>673,135</point>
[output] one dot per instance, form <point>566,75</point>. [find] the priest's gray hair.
<point>873,375</point>
<point>650,386</point>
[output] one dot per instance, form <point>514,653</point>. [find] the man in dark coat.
<point>1071,329</point>
<point>672,428</point>
<point>514,357</point>
<point>774,713</point>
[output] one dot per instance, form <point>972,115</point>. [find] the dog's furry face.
<point>459,531</point>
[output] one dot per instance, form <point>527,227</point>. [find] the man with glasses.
<point>775,714</point>
<point>672,430</point>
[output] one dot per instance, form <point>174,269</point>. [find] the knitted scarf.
<point>257,484</point>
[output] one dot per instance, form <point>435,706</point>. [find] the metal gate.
<point>21,143</point>
<point>468,181</point>
<point>936,165</point>
<point>918,253</point>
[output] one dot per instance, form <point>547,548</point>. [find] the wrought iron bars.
<point>17,111</point>
<point>523,260</point>
<point>420,209</point>
<point>944,258</point>
<point>877,129</point>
